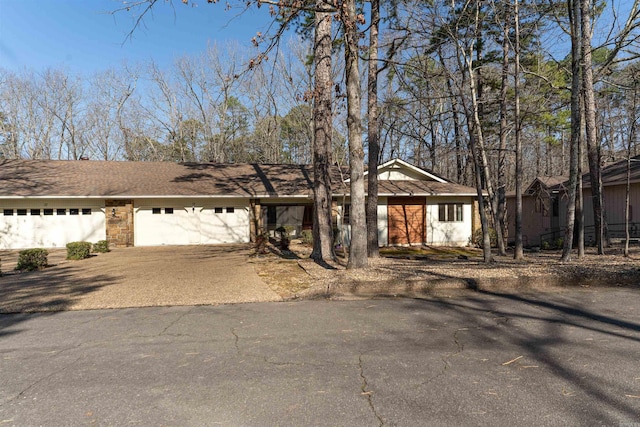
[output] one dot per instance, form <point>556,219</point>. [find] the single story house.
<point>545,205</point>
<point>48,203</point>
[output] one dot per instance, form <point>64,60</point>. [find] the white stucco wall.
<point>50,231</point>
<point>448,233</point>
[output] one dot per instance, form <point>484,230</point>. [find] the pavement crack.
<point>368,393</point>
<point>236,339</point>
<point>179,318</point>
<point>459,349</point>
<point>40,380</point>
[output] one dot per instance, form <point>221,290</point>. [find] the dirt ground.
<point>418,272</point>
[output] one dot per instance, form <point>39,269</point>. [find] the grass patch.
<point>430,251</point>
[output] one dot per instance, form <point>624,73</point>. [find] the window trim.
<point>451,212</point>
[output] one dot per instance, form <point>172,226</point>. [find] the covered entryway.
<point>406,216</point>
<point>190,223</point>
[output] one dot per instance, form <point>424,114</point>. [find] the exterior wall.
<point>50,231</point>
<point>398,175</point>
<point>437,234</point>
<point>449,233</point>
<point>383,222</point>
<point>120,230</point>
<point>536,224</point>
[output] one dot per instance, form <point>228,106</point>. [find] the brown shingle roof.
<point>89,178</point>
<point>419,188</point>
<point>616,173</point>
<point>112,179</point>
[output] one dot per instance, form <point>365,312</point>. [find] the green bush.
<point>101,247</point>
<point>307,237</point>
<point>32,259</point>
<point>78,250</point>
<point>477,237</point>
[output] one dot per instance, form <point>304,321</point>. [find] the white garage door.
<point>47,227</point>
<point>191,225</point>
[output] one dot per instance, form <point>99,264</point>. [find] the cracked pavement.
<point>476,358</point>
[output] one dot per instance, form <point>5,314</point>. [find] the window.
<point>346,214</point>
<point>74,211</point>
<point>555,207</point>
<point>156,211</point>
<point>86,211</point>
<point>35,212</point>
<point>22,212</point>
<point>61,211</point>
<point>48,211</point>
<point>450,212</point>
<point>168,211</point>
<point>230,210</point>
<point>8,212</point>
<point>272,216</point>
<point>217,210</point>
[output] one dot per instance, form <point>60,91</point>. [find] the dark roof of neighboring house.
<point>90,178</point>
<point>616,173</point>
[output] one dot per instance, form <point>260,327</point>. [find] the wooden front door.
<point>407,217</point>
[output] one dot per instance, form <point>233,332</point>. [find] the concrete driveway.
<point>135,277</point>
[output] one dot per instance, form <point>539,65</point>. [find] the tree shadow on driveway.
<point>51,290</point>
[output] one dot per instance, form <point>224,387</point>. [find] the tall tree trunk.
<point>358,247</point>
<point>593,152</point>
<point>373,133</point>
<point>574,18</point>
<point>322,122</point>
<point>502,152</point>
<point>518,252</point>
<point>476,89</point>
<point>580,198</point>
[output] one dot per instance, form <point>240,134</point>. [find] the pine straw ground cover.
<point>418,272</point>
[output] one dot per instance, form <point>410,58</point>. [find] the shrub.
<point>477,238</point>
<point>78,250</point>
<point>284,237</point>
<point>261,242</point>
<point>307,237</point>
<point>101,247</point>
<point>32,259</point>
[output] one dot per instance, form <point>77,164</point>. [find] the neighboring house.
<point>52,203</point>
<point>545,205</point>
<point>540,210</point>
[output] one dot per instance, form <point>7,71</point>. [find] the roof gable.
<point>399,170</point>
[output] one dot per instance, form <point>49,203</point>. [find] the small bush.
<point>477,237</point>
<point>307,237</point>
<point>32,259</point>
<point>285,240</point>
<point>78,250</point>
<point>101,247</point>
<point>261,242</point>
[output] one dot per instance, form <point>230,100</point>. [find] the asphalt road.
<point>476,359</point>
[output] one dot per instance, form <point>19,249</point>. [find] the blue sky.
<point>83,36</point>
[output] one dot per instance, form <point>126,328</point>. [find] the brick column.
<point>119,215</point>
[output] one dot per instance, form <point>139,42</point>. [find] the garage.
<point>186,222</point>
<point>49,224</point>
<point>406,216</point>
